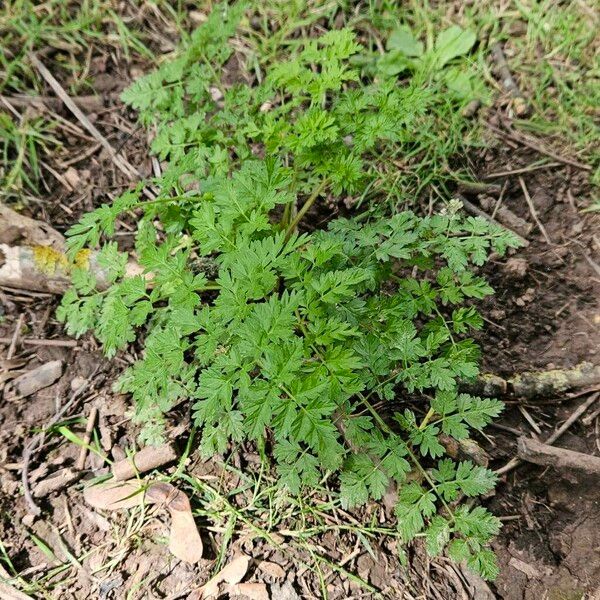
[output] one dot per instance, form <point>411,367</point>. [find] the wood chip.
<point>249,591</point>
<point>34,380</point>
<point>146,459</point>
<point>525,568</point>
<point>272,569</point>
<point>56,482</point>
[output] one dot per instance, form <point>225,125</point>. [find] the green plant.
<point>285,339</point>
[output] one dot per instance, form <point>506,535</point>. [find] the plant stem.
<point>309,202</point>
<point>427,418</point>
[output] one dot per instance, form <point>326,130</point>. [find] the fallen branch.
<point>538,453</point>
<point>513,463</point>
<point>533,384</point>
<point>44,269</point>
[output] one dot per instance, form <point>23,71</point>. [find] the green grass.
<point>67,35</point>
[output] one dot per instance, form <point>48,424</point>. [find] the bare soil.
<point>545,314</point>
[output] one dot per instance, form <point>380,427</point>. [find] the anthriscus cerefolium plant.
<point>291,339</point>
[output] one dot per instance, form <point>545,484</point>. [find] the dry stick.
<point>42,342</point>
<point>474,210</point>
<point>525,141</point>
<point>119,162</point>
<point>87,436</point>
<point>515,462</point>
<point>536,452</point>
<point>15,337</point>
<point>508,81</point>
<point>89,103</point>
<point>527,169</point>
<point>532,211</point>
<point>38,440</point>
<point>146,459</point>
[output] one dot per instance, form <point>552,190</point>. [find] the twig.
<point>15,337</point>
<point>90,102</point>
<point>42,342</point>
<point>508,81</point>
<point>146,459</point>
<point>527,169</point>
<point>87,436</point>
<point>474,210</point>
<point>533,212</point>
<point>525,141</point>
<point>530,420</point>
<point>513,463</point>
<point>37,441</point>
<point>122,164</point>
<point>592,263</point>
<point>561,458</point>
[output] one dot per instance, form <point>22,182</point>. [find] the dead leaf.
<point>114,495</point>
<point>231,573</point>
<point>252,591</point>
<point>272,569</point>
<point>184,539</point>
<point>284,591</point>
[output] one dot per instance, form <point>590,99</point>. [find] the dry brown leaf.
<point>272,569</point>
<point>252,591</point>
<point>184,539</point>
<point>231,573</point>
<point>114,495</point>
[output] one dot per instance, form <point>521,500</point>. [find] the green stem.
<point>309,202</point>
<point>427,418</point>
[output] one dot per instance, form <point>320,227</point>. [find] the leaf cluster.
<point>290,340</point>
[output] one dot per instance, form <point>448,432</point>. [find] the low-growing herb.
<point>299,341</point>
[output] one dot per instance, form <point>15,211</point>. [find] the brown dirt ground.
<point>545,314</point>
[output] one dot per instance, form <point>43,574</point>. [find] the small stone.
<point>517,267</point>
<point>28,520</point>
<point>77,382</point>
<point>215,94</point>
